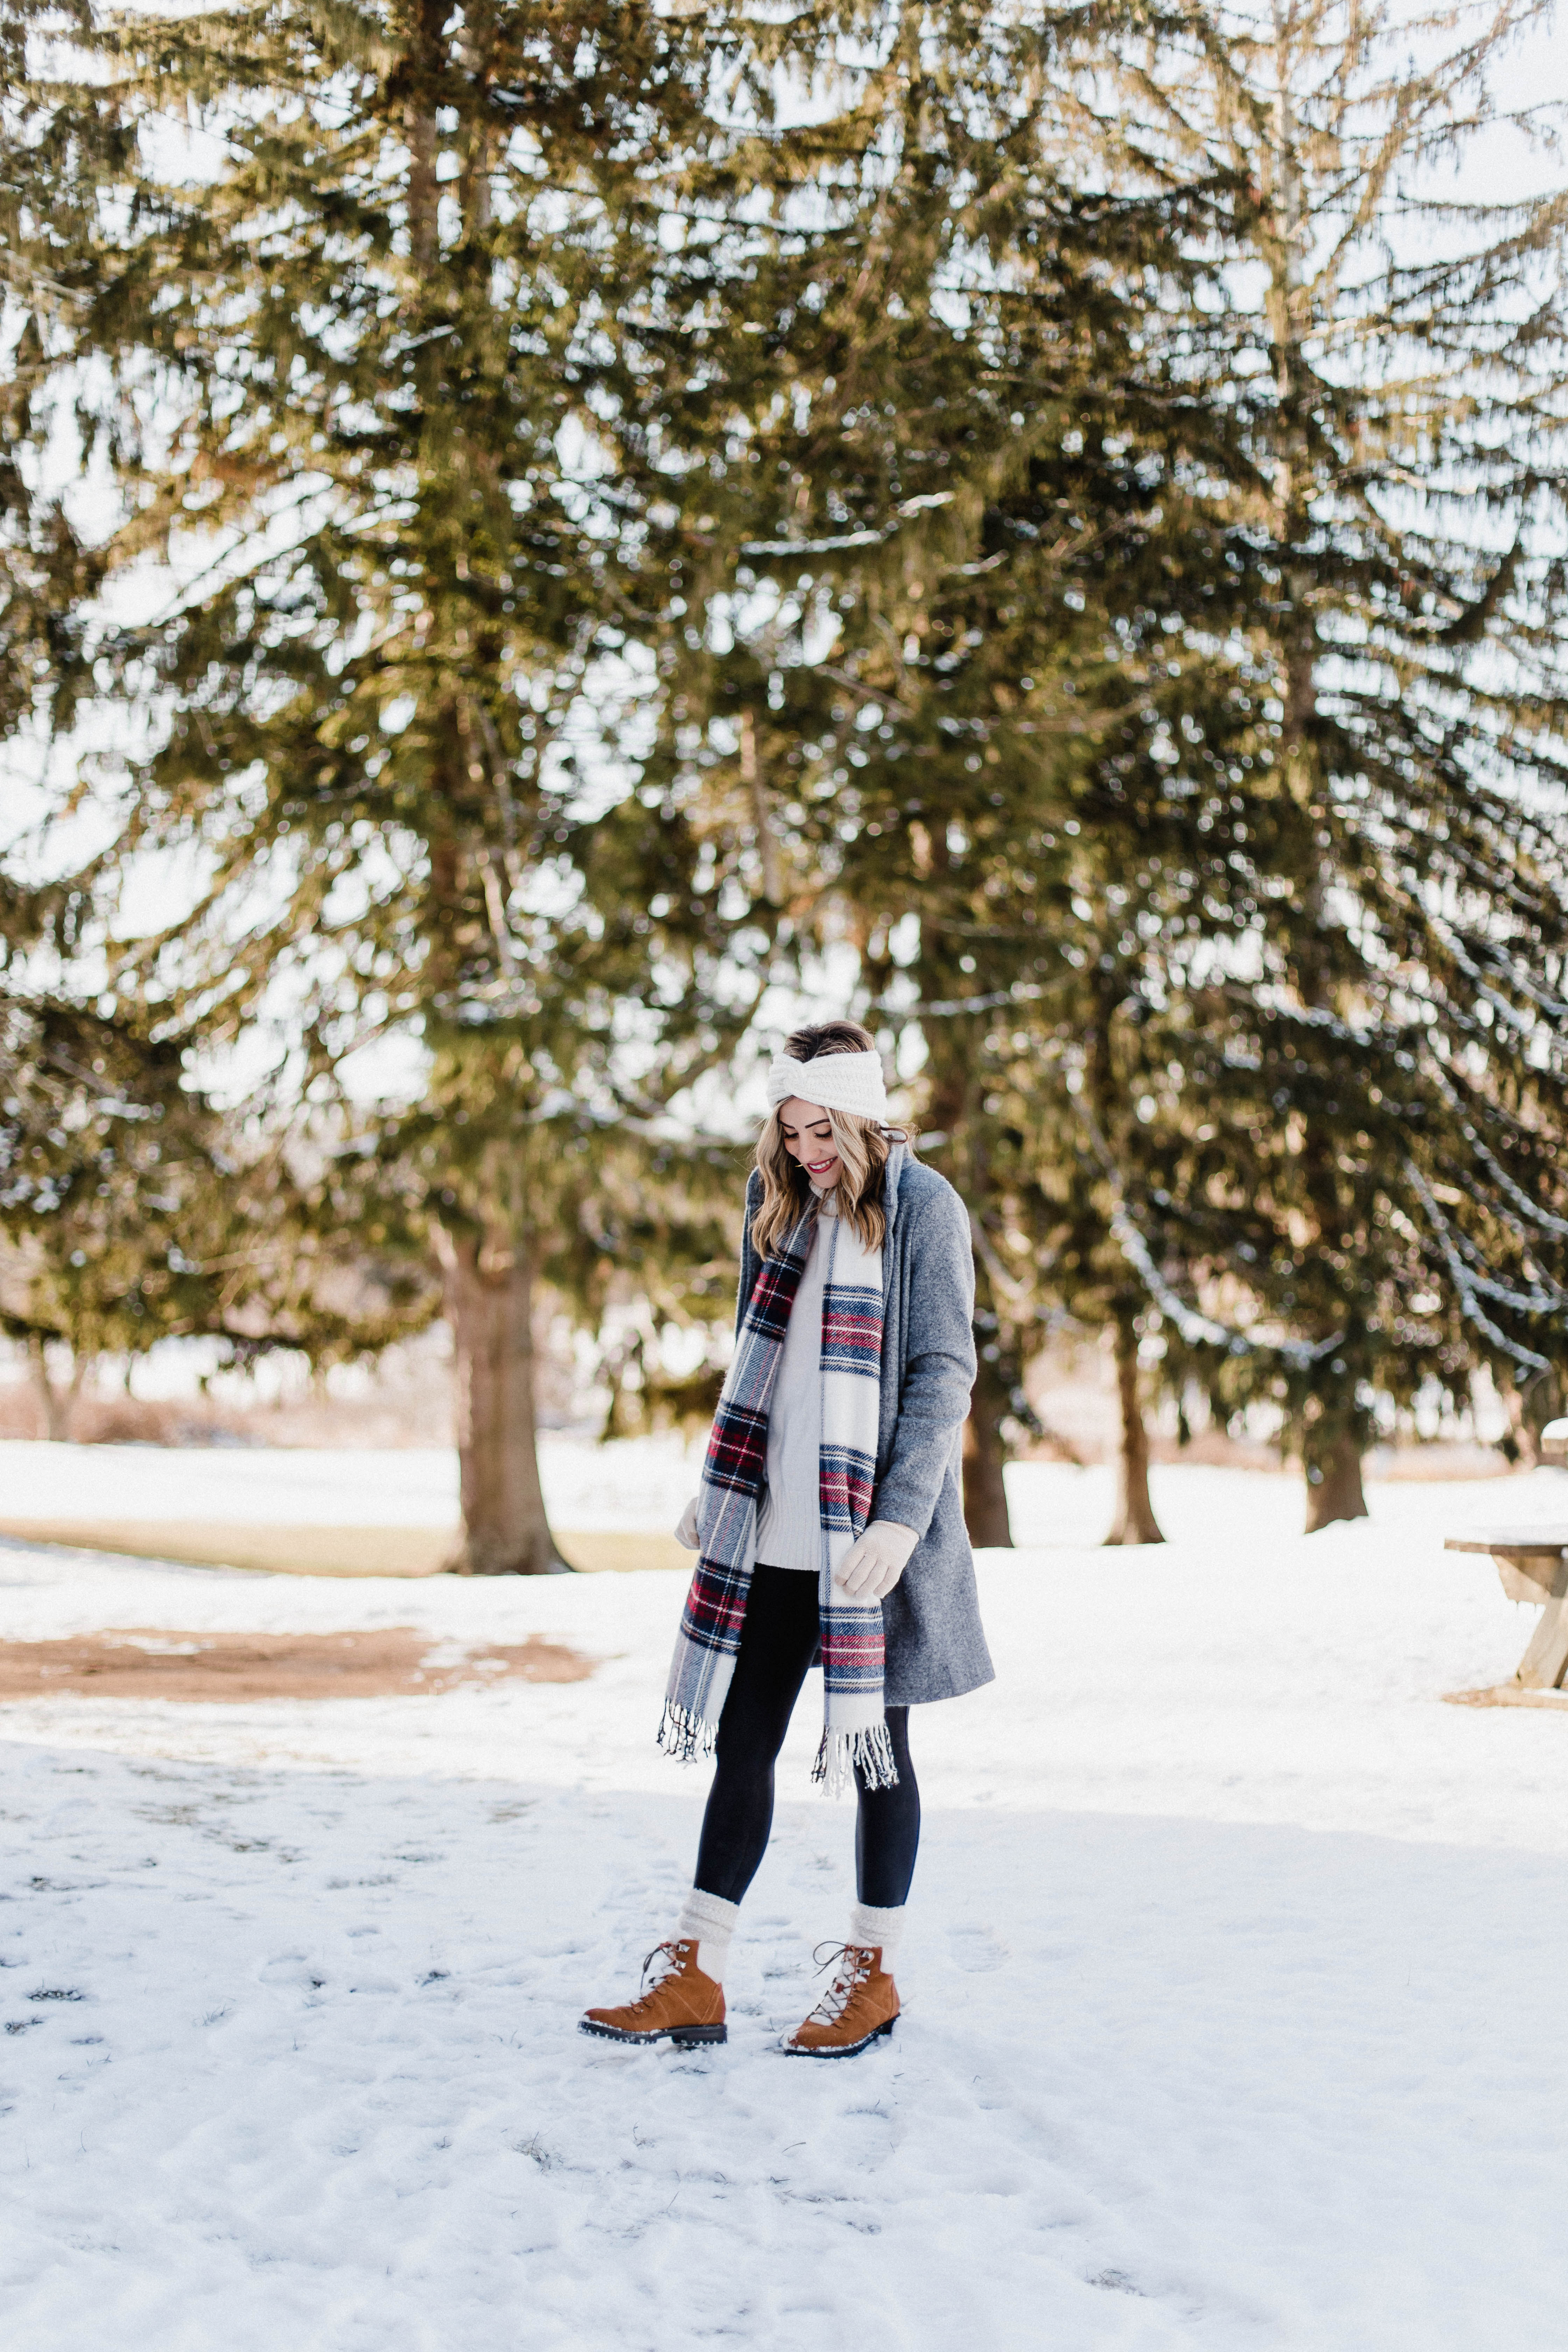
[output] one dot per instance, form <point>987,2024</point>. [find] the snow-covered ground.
<point>636,1485</point>
<point>641,1483</point>
<point>1228,1985</point>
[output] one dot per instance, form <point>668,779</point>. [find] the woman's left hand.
<point>874,1563</point>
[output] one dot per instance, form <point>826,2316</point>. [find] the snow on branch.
<point>1197,1329</point>
<point>1464,1282</point>
<point>1538,1217</point>
<point>847,539</point>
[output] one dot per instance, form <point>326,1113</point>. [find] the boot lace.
<point>665,1958</point>
<point>852,1970</point>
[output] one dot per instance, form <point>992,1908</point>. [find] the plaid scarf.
<point>851,1639</point>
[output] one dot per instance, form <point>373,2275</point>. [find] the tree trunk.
<point>59,1402</point>
<point>984,1492</point>
<point>767,840</point>
<point>1522,1435</point>
<point>1529,1410</point>
<point>1335,1492</point>
<point>489,1289</point>
<point>1134,1522</point>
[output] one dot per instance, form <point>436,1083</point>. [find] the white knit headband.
<point>851,1082</point>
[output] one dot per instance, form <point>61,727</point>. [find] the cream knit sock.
<point>868,1925</point>
<point>709,1922</point>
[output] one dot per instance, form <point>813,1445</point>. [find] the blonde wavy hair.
<point>863,1147</point>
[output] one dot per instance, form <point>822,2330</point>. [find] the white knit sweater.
<point>789,1525</point>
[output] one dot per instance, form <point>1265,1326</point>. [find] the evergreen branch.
<point>1196,1330</point>
<point>1469,1305</point>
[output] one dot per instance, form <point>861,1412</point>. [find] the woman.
<point>829,1529</point>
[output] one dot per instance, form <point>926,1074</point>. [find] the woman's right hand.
<point>686,1531</point>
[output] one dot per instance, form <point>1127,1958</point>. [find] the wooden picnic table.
<point>1533,1565</point>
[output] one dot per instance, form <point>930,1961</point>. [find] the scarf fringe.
<point>686,1736</point>
<point>842,1753</point>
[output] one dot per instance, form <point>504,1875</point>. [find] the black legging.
<point>778,1641</point>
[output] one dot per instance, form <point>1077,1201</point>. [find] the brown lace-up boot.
<point>681,2004</point>
<point>861,2003</point>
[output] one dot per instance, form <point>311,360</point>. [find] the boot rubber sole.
<point>843,2048</point>
<point>683,2036</point>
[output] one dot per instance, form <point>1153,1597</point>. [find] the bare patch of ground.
<point>393,1661</point>
<point>291,1550</point>
<point>272,1551</point>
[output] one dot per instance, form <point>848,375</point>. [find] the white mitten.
<point>685,1532</point>
<point>873,1565</point>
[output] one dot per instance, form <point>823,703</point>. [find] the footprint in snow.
<point>975,1950</point>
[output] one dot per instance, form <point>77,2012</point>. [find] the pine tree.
<point>1401,391</point>
<point>1303,725</point>
<point>399,366</point>
<point>57,152</point>
<point>916,711</point>
<point>132,1211</point>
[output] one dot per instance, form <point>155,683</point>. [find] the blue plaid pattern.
<point>767,1310</point>
<point>847,1476</point>
<point>852,1331</point>
<point>737,1449</point>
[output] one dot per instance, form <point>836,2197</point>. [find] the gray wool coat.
<point>936,1644</point>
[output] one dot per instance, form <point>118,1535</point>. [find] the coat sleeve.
<point>939,1365</point>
